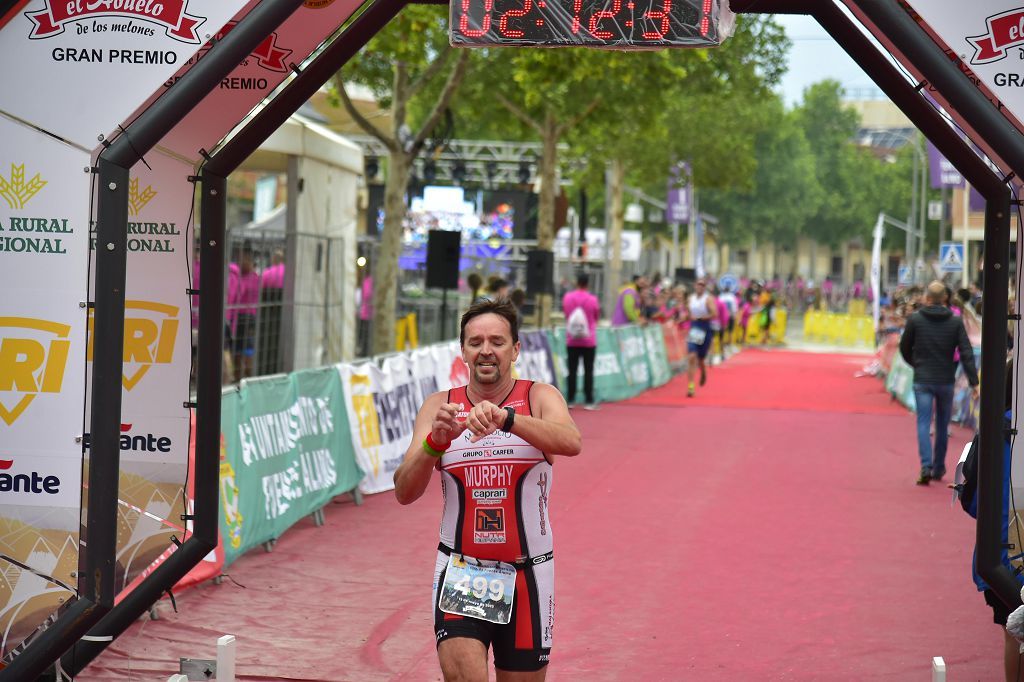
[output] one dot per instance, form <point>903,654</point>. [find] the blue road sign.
<point>951,257</point>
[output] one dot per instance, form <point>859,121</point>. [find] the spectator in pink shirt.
<point>581,310</point>
<point>246,305</point>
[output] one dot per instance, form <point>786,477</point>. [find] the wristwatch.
<point>509,420</point>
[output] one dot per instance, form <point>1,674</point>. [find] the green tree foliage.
<point>411,70</point>
<point>782,194</point>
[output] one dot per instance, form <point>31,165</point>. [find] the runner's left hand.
<point>484,419</point>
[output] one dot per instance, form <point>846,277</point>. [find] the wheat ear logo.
<point>15,191</point>
<point>137,200</point>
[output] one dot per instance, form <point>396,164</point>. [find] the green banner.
<point>288,451</point>
<point>633,355</point>
<point>657,359</point>
<point>900,381</point>
<point>559,357</point>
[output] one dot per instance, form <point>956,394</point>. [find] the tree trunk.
<point>385,270</point>
<point>617,215</point>
<point>548,186</point>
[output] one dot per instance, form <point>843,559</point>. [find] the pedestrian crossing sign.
<point>951,257</point>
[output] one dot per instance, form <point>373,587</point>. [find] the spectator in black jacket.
<point>929,344</point>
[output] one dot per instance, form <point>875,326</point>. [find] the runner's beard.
<point>487,378</point>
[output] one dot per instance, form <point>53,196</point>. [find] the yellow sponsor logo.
<point>30,364</point>
<point>361,389</point>
<point>150,331</point>
<point>137,200</point>
<point>16,191</point>
<point>317,4</point>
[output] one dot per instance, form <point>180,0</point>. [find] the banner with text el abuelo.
<point>44,245</point>
<point>289,454</point>
<point>78,69</point>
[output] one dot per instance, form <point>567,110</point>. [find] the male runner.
<point>703,309</point>
<point>493,442</point>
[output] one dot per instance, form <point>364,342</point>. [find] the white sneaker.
<point>593,407</point>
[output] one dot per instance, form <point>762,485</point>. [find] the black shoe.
<point>937,474</point>
<point>925,477</point>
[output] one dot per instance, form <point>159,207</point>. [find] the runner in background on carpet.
<point>728,298</point>
<point>493,441</point>
<point>703,310</point>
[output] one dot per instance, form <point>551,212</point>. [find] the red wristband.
<point>435,446</point>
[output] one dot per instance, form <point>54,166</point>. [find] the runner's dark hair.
<point>501,307</point>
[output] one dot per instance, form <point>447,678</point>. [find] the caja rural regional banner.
<point>44,242</point>
<point>288,452</point>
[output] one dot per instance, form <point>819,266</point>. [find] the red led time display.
<point>623,24</point>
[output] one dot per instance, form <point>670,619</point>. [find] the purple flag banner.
<point>680,193</point>
<point>942,172</point>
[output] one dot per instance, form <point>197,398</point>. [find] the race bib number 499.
<point>478,589</point>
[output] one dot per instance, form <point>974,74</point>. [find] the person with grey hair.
<point>930,339</point>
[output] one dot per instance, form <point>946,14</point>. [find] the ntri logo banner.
<point>33,357</point>
<point>150,333</point>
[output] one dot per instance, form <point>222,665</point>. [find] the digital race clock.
<point>620,24</point>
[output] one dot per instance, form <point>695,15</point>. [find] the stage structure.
<point>217,70</point>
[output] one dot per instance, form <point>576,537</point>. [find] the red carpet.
<point>706,543</point>
<point>783,380</point>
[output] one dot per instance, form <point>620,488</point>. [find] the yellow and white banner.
<point>44,241</point>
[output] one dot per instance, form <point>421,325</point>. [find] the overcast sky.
<point>814,57</point>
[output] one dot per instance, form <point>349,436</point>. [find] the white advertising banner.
<point>44,242</point>
<point>451,369</point>
<point>157,362</point>
<point>381,411</point>
<point>988,36</point>
<point>85,65</point>
<point>266,67</point>
<point>423,367</point>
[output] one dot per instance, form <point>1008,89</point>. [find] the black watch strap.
<point>509,420</point>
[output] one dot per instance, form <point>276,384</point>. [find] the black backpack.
<point>968,491</point>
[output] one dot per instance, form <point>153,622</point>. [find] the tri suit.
<point>496,508</point>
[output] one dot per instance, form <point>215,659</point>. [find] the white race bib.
<point>697,336</point>
<point>476,588</point>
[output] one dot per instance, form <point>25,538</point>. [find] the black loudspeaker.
<point>685,276</point>
<point>540,272</point>
<point>443,259</point>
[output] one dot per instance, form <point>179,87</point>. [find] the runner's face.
<point>488,349</point>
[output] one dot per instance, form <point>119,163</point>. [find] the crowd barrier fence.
<point>290,443</point>
<point>899,383</point>
<point>843,329</point>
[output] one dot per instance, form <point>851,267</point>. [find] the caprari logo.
<point>150,331</point>
<point>32,482</point>
<point>169,14</point>
<point>1004,30</point>
<point>15,191</point>
<point>137,200</point>
<point>33,355</point>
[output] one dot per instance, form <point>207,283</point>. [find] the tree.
<point>400,65</point>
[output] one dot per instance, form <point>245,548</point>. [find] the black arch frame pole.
<point>213,212</point>
<point>96,585</point>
